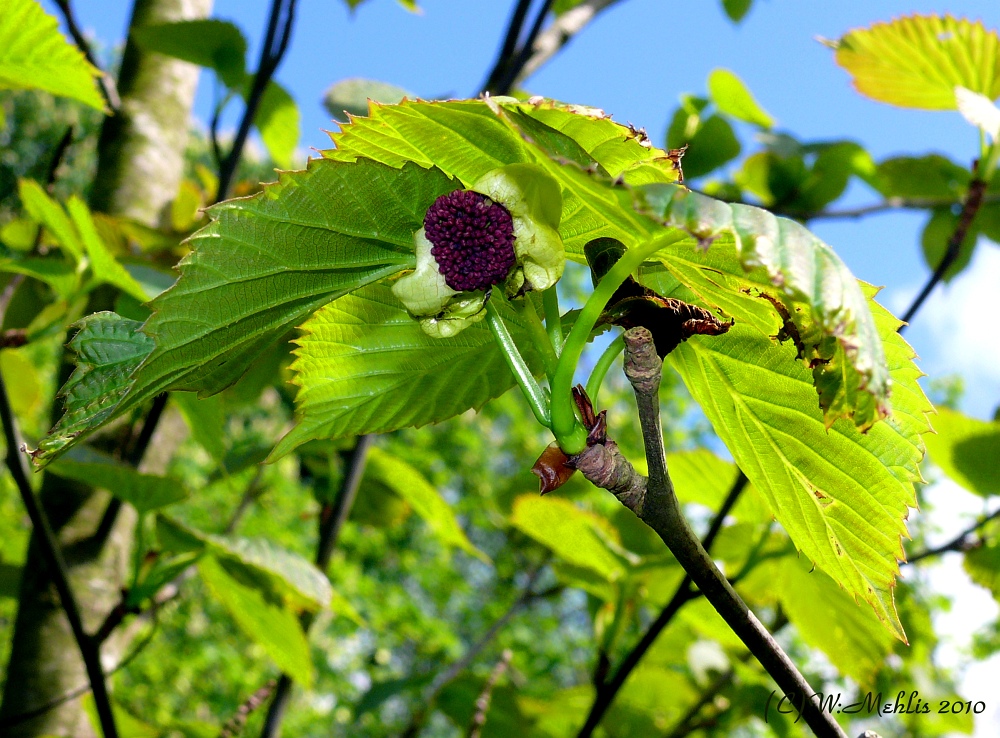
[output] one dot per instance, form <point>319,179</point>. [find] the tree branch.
<point>331,521</point>
<point>509,47</point>
<point>607,691</point>
<point>108,89</point>
<point>89,649</point>
<point>958,543</point>
<point>654,502</point>
<point>483,701</point>
<point>974,200</point>
<point>279,31</point>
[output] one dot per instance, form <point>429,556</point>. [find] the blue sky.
<point>633,62</point>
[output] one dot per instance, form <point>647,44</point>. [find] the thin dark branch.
<point>509,47</point>
<point>974,200</point>
<point>108,89</point>
<point>483,701</point>
<point>331,521</point>
<point>448,675</point>
<point>279,31</point>
<point>684,725</point>
<point>511,71</point>
<point>958,543</point>
<point>56,565</point>
<point>252,493</point>
<point>607,691</point>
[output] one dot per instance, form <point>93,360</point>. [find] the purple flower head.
<point>473,240</point>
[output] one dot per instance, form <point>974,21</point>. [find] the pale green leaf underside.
<point>842,495</point>
<point>967,450</point>
<point>363,365</point>
<point>917,61</point>
<point>750,251</point>
<point>258,270</point>
<point>421,495</point>
<point>34,55</point>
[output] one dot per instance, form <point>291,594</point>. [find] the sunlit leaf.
<point>575,536</point>
<point>102,262</point>
<point>278,122</point>
<point>363,365</point>
<point>40,206</point>
<point>732,97</point>
<point>917,61</point>
<point>967,450</point>
<point>34,55</point>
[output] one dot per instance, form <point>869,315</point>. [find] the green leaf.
<point>102,263</point>
<point>411,485</point>
<point>736,9</point>
<point>983,566</point>
<point>263,265</point>
<point>206,419</point>
<point>579,538</point>
<point>283,575</point>
<point>54,271</point>
<point>34,55</point>
<point>732,97</point>
<point>108,349</point>
<point>211,43</point>
<point>50,214</point>
<point>467,139</point>
<point>823,309</point>
<point>934,242</point>
<point>267,622</point>
<point>921,176</point>
<point>917,61</point>
<point>829,619</point>
<point>363,365</point>
<point>842,495</point>
<point>712,145</point>
<point>145,492</point>
<point>277,120</point>
<point>351,96</point>
<point>966,450</point>
<point>24,387</point>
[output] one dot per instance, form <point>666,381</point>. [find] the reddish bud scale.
<point>473,240</point>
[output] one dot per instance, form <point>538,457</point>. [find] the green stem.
<point>569,432</point>
<point>601,368</point>
<point>553,320</point>
<point>542,339</point>
<point>518,367</point>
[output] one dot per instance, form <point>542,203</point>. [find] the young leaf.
<point>278,122</point>
<point>578,537</point>
<point>145,492</point>
<point>34,55</point>
<point>967,450</point>
<point>211,43</point>
<point>262,266</point>
<point>274,626</point>
<point>917,61</point>
<point>733,98</point>
<point>363,365</point>
<point>108,350</point>
<point>411,485</point>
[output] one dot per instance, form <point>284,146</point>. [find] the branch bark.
<point>654,502</point>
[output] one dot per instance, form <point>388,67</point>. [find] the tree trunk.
<point>141,162</point>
